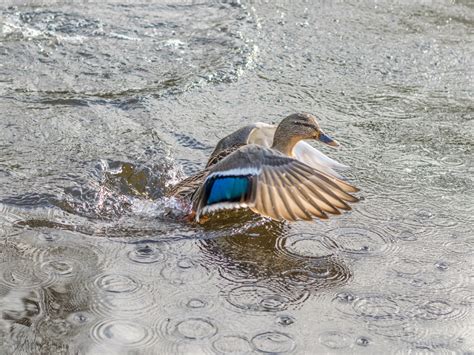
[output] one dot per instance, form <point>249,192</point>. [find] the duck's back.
<point>256,133</point>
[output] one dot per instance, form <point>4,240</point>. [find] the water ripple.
<point>460,246</point>
<point>262,298</point>
<point>273,342</point>
<point>123,333</point>
<point>80,318</point>
<point>195,328</point>
<point>363,341</point>
<point>243,271</point>
<point>376,306</point>
<point>359,240</point>
<point>439,309</point>
<point>59,267</point>
<point>370,209</point>
<point>185,270</point>
<point>121,294</point>
<point>422,280</point>
<point>18,275</point>
<point>335,340</point>
<point>196,303</point>
<point>146,254</point>
<point>56,329</point>
<point>305,245</point>
<point>404,267</point>
<point>317,274</point>
<point>395,327</point>
<point>232,344</point>
<point>383,315</point>
<point>115,283</point>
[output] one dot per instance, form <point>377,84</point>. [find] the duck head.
<point>297,127</point>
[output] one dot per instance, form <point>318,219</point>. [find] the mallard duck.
<point>271,171</point>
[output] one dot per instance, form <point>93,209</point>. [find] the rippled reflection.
<point>265,276</point>
<point>47,311</point>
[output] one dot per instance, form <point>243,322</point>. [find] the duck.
<point>272,171</point>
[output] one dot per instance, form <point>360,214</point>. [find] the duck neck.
<point>284,144</point>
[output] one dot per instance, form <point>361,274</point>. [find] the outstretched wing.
<point>272,185</point>
<point>314,158</point>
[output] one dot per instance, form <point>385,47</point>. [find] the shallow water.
<point>104,106</point>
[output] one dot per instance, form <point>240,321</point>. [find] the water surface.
<point>103,106</point>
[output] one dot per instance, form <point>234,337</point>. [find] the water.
<point>104,106</point>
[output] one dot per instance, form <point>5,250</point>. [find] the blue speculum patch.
<point>227,189</point>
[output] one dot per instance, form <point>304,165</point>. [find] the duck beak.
<point>327,140</point>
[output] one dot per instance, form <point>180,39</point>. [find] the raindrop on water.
<point>285,320</point>
<point>363,341</point>
<point>441,265</point>
<point>145,254</point>
<point>196,303</point>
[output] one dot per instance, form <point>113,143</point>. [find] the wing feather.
<point>313,197</point>
<point>331,191</point>
<point>303,209</point>
<point>269,209</point>
<point>344,186</point>
<point>286,202</point>
<point>305,205</point>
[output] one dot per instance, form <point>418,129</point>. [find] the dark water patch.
<point>65,102</point>
<point>258,260</point>
<point>31,200</point>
